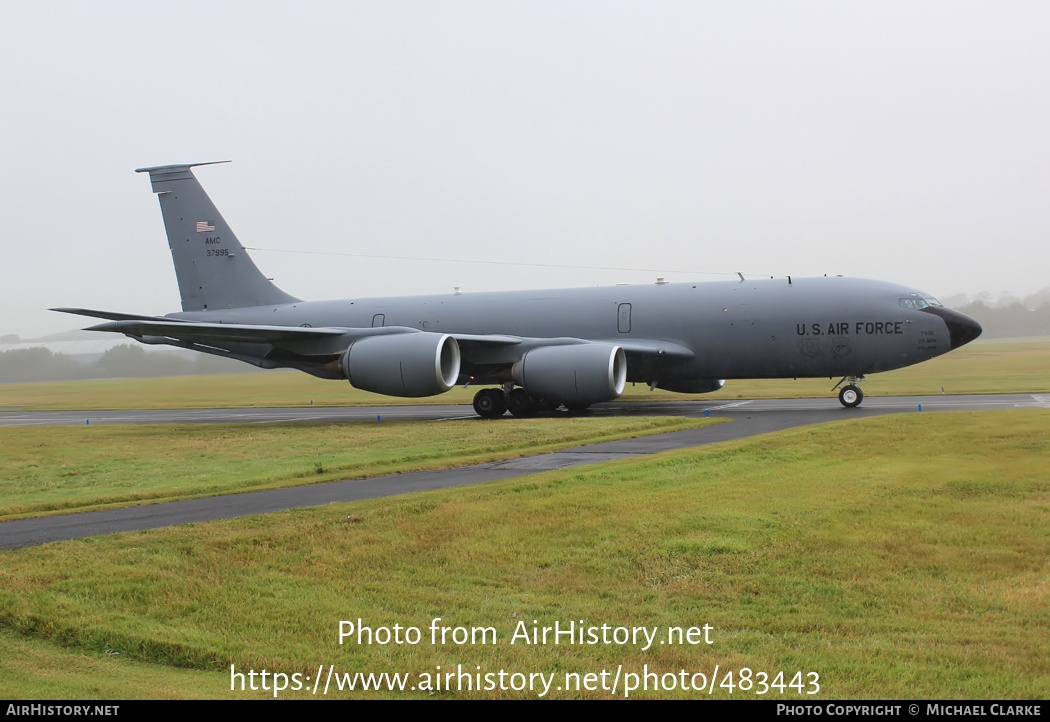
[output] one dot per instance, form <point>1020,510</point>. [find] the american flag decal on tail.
<point>205,226</point>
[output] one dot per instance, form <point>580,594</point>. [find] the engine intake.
<point>404,364</point>
<point>586,373</point>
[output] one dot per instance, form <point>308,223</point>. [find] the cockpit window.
<point>918,301</point>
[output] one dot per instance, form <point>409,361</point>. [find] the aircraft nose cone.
<point>961,328</point>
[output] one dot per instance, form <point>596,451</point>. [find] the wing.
<point>486,358</point>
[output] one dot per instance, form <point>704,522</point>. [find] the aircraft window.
<point>907,303</point>
<point>930,300</point>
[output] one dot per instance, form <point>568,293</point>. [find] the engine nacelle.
<point>585,373</point>
<point>692,386</point>
<point>404,364</point>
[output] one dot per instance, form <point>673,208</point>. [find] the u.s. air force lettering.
<point>847,328</point>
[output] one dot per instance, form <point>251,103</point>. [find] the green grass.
<point>59,469</point>
<point>898,557</point>
<point>54,672</point>
<point>973,369</point>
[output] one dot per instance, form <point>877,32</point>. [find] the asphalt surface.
<point>750,417</point>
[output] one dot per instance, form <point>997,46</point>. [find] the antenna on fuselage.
<point>741,276</point>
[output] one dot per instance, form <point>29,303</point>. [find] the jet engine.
<point>404,364</point>
<point>580,374</point>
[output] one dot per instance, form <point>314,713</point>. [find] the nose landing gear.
<point>850,396</point>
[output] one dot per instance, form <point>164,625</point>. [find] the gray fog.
<point>563,143</point>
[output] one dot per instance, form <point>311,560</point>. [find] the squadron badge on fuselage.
<point>809,347</point>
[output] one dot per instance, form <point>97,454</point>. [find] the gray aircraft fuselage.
<point>764,328</point>
<point>543,348</point>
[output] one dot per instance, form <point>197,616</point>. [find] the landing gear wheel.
<point>489,403</point>
<point>851,396</point>
<point>543,406</point>
<point>521,404</point>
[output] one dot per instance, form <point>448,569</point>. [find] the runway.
<point>871,405</point>
<point>749,418</point>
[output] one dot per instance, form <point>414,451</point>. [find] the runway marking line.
<point>728,406</point>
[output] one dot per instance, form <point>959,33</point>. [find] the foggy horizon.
<point>896,141</point>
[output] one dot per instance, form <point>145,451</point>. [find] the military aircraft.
<point>534,350</point>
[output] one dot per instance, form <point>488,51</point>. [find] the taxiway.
<point>749,418</point>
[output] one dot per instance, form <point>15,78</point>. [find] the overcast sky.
<point>902,141</point>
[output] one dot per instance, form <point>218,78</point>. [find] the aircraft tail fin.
<point>213,269</point>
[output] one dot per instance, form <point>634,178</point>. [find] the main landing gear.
<point>490,403</point>
<point>521,404</point>
<point>850,396</point>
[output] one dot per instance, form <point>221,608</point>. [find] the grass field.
<point>61,469</point>
<point>895,557</point>
<point>972,369</point>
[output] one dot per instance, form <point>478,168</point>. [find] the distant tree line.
<point>1011,320</point>
<point>124,361</point>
